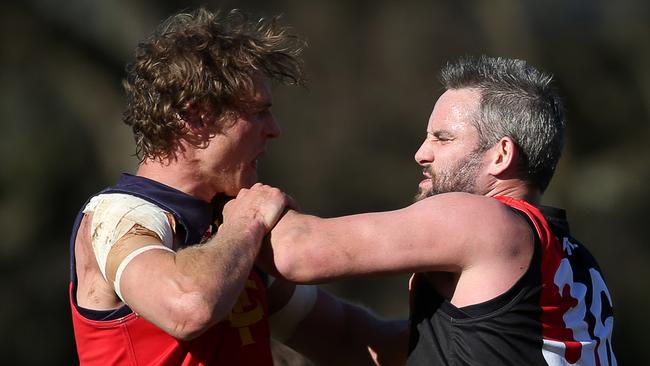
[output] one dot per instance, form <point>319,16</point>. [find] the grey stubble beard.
<point>459,178</point>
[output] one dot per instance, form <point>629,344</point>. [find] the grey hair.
<point>517,101</point>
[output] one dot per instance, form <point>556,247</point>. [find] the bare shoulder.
<point>461,201</point>
<point>491,245</point>
<point>474,220</point>
<point>463,209</point>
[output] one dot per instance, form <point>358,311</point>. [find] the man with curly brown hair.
<point>162,272</point>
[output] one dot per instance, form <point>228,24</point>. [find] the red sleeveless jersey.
<point>242,339</point>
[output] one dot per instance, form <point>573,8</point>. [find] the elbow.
<point>190,316</point>
<point>305,264</point>
<point>301,252</point>
<point>297,267</point>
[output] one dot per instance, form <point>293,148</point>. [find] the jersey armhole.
<point>498,303</point>
<point>531,225</point>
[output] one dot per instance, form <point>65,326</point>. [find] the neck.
<point>178,174</point>
<point>519,190</point>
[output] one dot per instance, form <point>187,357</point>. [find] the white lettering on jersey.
<point>594,350</point>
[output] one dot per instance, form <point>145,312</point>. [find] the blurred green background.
<point>349,136</point>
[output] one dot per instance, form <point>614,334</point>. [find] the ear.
<point>502,156</point>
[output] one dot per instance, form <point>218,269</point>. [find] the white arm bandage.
<point>127,260</point>
<point>285,321</point>
<point>114,214</point>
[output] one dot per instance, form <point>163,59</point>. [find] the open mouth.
<point>255,161</point>
<point>426,181</point>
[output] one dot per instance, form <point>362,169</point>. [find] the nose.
<point>273,129</point>
<point>424,155</point>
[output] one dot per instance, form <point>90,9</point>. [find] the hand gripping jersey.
<point>558,313</point>
<point>121,337</point>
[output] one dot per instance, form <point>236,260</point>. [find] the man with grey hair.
<point>498,278</point>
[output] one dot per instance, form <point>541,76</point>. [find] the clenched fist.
<point>257,208</point>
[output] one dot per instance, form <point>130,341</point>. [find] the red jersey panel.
<point>242,339</point>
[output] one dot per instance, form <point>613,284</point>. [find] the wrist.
<point>251,230</point>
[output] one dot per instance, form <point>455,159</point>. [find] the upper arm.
<point>440,233</point>
<point>121,227</point>
<point>127,253</point>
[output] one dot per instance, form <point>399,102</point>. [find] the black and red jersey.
<point>558,313</point>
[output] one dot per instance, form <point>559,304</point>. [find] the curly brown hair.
<point>202,59</point>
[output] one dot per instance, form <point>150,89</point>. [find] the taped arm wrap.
<point>285,321</point>
<point>115,214</point>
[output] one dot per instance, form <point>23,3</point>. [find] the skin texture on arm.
<point>186,292</point>
<point>473,237</point>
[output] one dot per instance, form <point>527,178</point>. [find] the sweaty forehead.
<point>455,111</point>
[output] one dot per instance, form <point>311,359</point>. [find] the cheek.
<point>448,159</point>
<point>241,145</point>
<point>444,157</point>
<point>249,138</point>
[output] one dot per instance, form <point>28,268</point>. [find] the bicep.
<point>407,240</point>
<point>141,270</point>
<point>138,251</point>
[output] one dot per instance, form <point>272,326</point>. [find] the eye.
<point>440,137</point>
<point>264,113</point>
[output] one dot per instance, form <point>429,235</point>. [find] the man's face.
<point>230,160</point>
<point>448,156</point>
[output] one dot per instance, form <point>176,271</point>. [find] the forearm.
<point>187,292</point>
<point>386,341</point>
<point>340,333</point>
<point>218,269</point>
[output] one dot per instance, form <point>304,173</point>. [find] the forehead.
<point>455,111</point>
